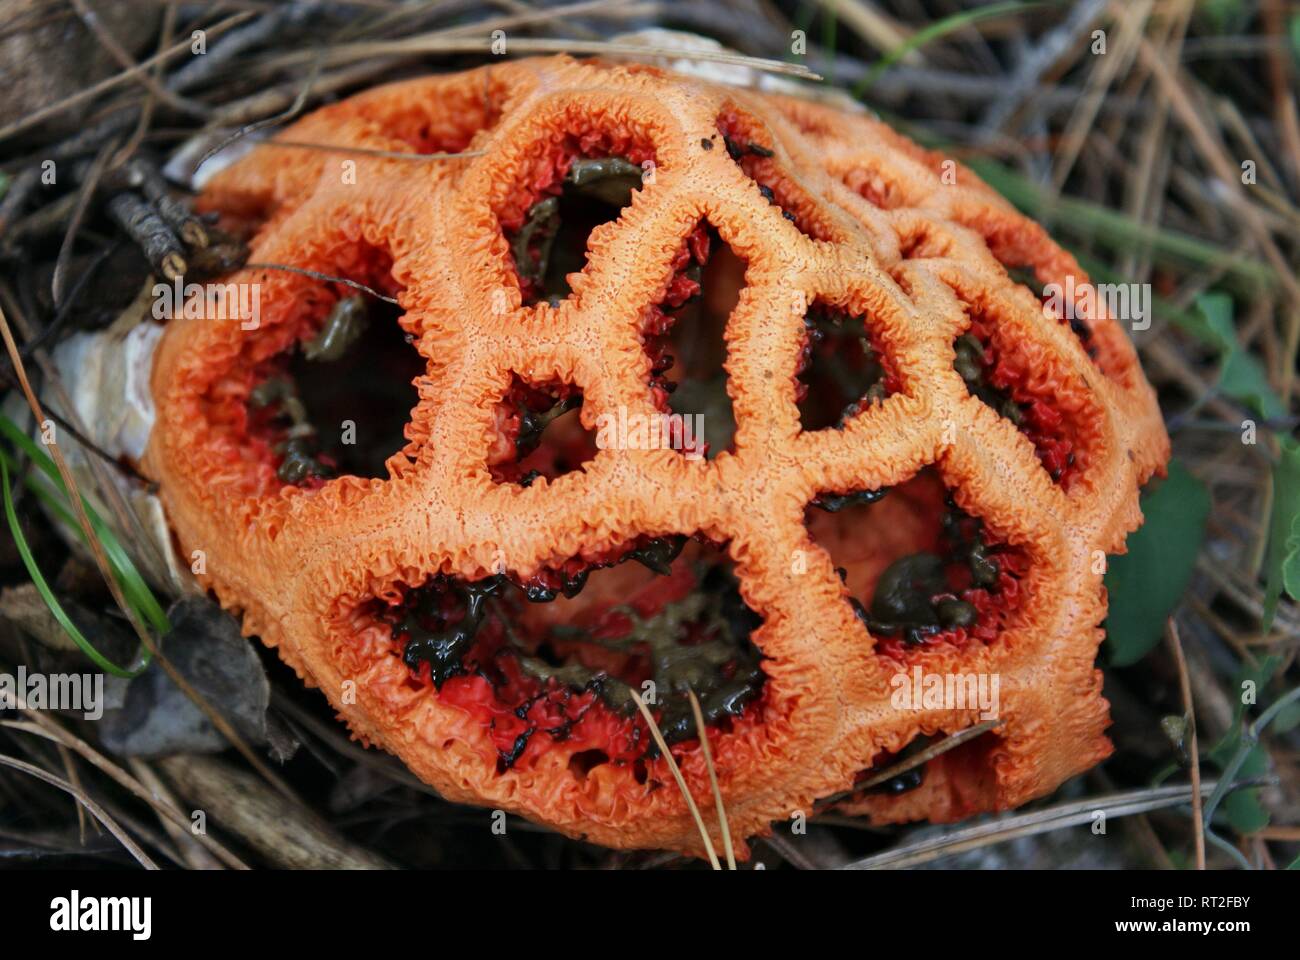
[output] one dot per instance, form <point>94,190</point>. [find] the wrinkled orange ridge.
<point>876,227</point>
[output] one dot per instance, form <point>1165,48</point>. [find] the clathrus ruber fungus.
<point>911,461</point>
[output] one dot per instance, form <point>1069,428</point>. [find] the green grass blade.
<point>43,588</point>
<point>938,29</point>
<point>128,576</point>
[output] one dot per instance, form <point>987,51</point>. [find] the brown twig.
<point>344,53</point>
<point>367,152</point>
<point>84,195</point>
<point>96,810</point>
<point>1185,685</point>
<point>677,775</point>
<point>143,224</point>
<point>703,733</point>
<point>1035,822</point>
<point>288,835</point>
<point>43,726</point>
<point>124,60</point>
<point>912,762</point>
<point>110,83</point>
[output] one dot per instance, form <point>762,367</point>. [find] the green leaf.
<point>1282,562</point>
<point>1145,584</point>
<point>1241,375</point>
<point>1295,51</point>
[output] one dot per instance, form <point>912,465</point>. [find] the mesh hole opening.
<point>300,419</point>
<point>539,433</point>
<point>842,370</point>
<point>547,663</point>
<point>571,188</point>
<point>684,339</point>
<point>916,568</point>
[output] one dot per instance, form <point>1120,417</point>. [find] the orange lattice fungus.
<point>680,387</point>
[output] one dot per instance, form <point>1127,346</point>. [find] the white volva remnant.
<point>187,166</point>
<point>108,377</point>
